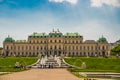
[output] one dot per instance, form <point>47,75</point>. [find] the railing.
<point>70,65</point>
<point>33,64</point>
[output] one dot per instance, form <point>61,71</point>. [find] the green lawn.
<point>7,64</point>
<point>95,64</point>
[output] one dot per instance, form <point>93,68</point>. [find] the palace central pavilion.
<point>55,43</point>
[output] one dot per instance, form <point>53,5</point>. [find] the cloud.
<point>60,1</point>
<point>99,3</point>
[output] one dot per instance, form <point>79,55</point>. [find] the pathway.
<point>41,74</point>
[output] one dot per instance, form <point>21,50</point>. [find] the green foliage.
<point>1,48</point>
<point>95,64</point>
<point>7,64</point>
<point>115,50</point>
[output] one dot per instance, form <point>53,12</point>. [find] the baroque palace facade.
<point>55,43</point>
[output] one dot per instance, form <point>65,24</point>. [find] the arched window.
<point>41,41</point>
<point>103,48</point>
<point>73,47</point>
<point>69,48</point>
<point>37,53</point>
<point>22,48</point>
<point>84,53</point>
<point>80,47</point>
<point>55,47</point>
<point>84,47</point>
<point>55,41</point>
<point>41,48</point>
<point>26,53</point>
<point>88,48</point>
<point>50,47</point>
<point>18,54</point>
<point>76,47</point>
<point>69,54</point>
<point>26,47</point>
<point>77,54</point>
<point>73,41</point>
<point>6,47</point>
<point>80,53</point>
<point>29,53</point>
<point>37,41</point>
<point>91,47</point>
<point>59,41</point>
<point>29,47</point>
<point>51,41</point>
<point>37,48</point>
<point>77,41</point>
<point>73,54</point>
<point>45,41</point>
<point>59,47</point>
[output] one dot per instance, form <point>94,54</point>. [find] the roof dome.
<point>102,39</point>
<point>9,39</point>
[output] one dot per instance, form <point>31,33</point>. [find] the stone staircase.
<point>51,63</point>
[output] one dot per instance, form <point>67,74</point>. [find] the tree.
<point>116,50</point>
<point>1,48</point>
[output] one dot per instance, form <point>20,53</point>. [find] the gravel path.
<point>41,74</point>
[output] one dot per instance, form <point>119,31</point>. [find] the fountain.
<point>58,61</point>
<point>43,61</point>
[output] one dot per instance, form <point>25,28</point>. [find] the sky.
<point>90,18</point>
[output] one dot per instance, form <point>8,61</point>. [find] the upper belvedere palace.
<point>55,43</point>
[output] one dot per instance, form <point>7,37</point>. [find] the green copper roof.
<point>102,39</point>
<point>72,34</point>
<point>54,33</point>
<point>9,39</point>
<point>20,40</point>
<point>38,35</point>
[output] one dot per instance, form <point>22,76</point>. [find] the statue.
<point>83,66</point>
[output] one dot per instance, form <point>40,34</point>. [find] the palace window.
<point>84,47</point>
<point>73,47</point>
<point>51,41</point>
<point>76,47</point>
<point>69,47</point>
<point>73,41</point>
<point>77,41</point>
<point>55,41</point>
<point>65,41</point>
<point>45,41</point>
<point>41,42</point>
<point>37,48</point>
<point>18,47</point>
<point>91,47</point>
<point>59,47</point>
<point>29,47</point>
<point>55,47</point>
<point>44,48</point>
<point>7,47</point>
<point>41,48</point>
<point>22,48</point>
<point>59,41</point>
<point>50,47</point>
<point>80,47</point>
<point>11,47</point>
<point>88,47</point>
<point>103,48</point>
